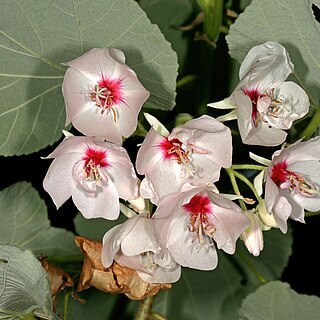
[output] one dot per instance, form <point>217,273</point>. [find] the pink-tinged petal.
<point>76,89</point>
<point>113,238</point>
<point>223,202</point>
<point>122,173</point>
<point>271,194</point>
<point>300,151</point>
<point>228,225</point>
<point>94,63</point>
<point>252,235</point>
<point>265,135</point>
<point>149,153</point>
<point>310,172</point>
<point>186,251</point>
<point>111,245</point>
<point>140,239</point>
<point>296,97</point>
<point>70,145</point>
<point>282,211</point>
<point>161,275</point>
<point>244,112</point>
<point>147,191</point>
<point>129,110</point>
<point>58,181</point>
<point>288,102</point>
<point>167,179</point>
<point>93,123</point>
<point>209,138</point>
<point>117,55</point>
<point>297,212</point>
<point>103,203</point>
<point>269,59</point>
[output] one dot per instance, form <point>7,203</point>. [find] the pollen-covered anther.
<point>91,171</point>
<point>199,210</point>
<point>102,97</point>
<point>94,161</point>
<point>301,185</point>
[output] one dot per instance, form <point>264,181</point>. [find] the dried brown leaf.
<point>116,279</point>
<point>58,278</point>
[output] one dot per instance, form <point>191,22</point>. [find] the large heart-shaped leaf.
<point>291,23</point>
<point>38,35</point>
<point>24,286</point>
<point>24,223</point>
<point>276,301</point>
<point>218,294</point>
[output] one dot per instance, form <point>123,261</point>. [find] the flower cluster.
<point>179,168</point>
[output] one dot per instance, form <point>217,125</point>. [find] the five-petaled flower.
<point>193,152</point>
<point>193,221</point>
<point>103,96</point>
<point>293,182</point>
<point>95,175</point>
<point>265,103</point>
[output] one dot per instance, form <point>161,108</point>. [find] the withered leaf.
<point>116,279</point>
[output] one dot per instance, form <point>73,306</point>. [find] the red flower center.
<point>94,160</point>
<point>107,93</point>
<point>172,149</point>
<point>279,173</point>
<point>254,96</point>
<point>198,205</point>
<point>199,208</point>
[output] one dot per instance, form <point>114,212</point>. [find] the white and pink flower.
<point>94,175</point>
<point>103,96</point>
<point>293,182</point>
<point>134,245</point>
<point>195,221</point>
<point>265,104</point>
<point>193,153</point>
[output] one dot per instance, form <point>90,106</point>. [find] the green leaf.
<point>95,228</point>
<point>276,301</point>
<point>217,294</point>
<point>24,223</point>
<point>290,23</point>
<point>46,33</point>
<point>169,15</point>
<point>24,286</point>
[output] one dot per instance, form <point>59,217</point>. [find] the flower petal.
<point>186,251</point>
<point>140,239</point>
<point>103,203</point>
<point>271,61</point>
<point>58,181</point>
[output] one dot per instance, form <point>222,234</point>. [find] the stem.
<point>312,126</point>
<point>190,78</point>
<point>65,306</point>
<point>248,167</point>
<point>144,311</point>
<point>251,266</point>
<point>248,183</point>
<point>233,180</point>
<point>312,214</point>
<point>204,85</point>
